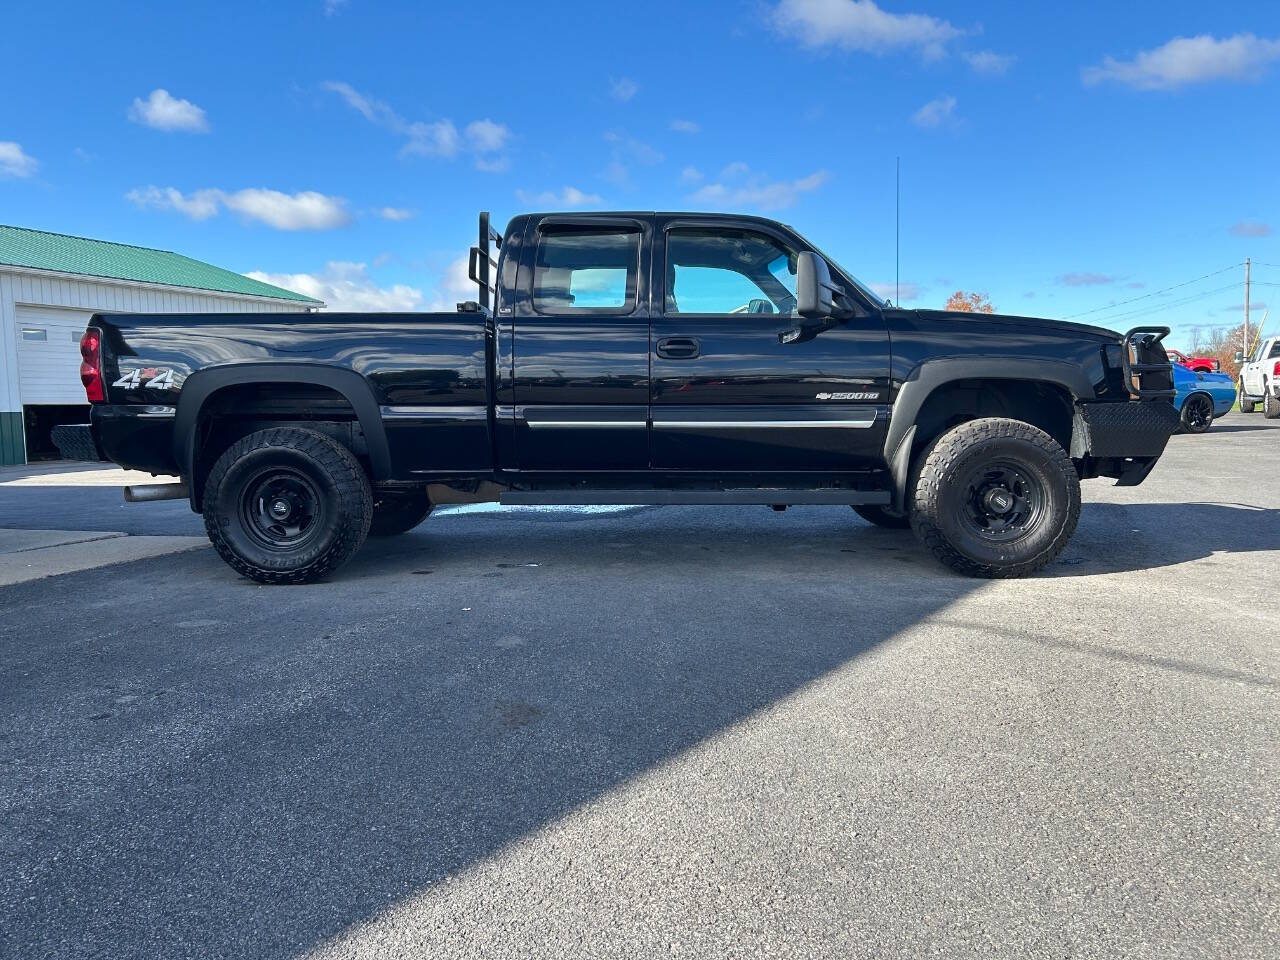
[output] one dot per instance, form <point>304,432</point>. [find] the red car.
<point>1198,364</point>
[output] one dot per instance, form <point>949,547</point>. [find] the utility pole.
<point>1246,306</point>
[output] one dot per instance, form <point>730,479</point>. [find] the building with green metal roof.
<point>51,283</point>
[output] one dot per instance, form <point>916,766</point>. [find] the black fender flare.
<point>201,385</point>
<point>929,375</point>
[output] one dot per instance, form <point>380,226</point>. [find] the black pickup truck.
<point>628,358</point>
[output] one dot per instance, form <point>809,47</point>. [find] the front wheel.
<point>1246,405</point>
<point>287,505</point>
<point>995,498</point>
<point>1197,413</point>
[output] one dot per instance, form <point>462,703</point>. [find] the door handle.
<point>677,348</point>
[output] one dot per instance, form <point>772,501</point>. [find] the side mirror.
<point>1239,356</point>
<point>815,293</point>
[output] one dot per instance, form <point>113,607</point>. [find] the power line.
<point>1148,310</point>
<point>1154,293</point>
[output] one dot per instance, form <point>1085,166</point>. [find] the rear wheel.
<point>995,498</point>
<point>1246,405</point>
<point>398,512</point>
<point>882,516</point>
<point>287,505</point>
<point>1197,413</point>
<point>1270,405</point>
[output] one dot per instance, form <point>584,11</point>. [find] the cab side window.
<point>586,270</point>
<point>1275,350</point>
<point>727,271</point>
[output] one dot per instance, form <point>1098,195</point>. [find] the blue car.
<point>1201,397</point>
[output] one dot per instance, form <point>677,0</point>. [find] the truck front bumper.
<point>1122,439</point>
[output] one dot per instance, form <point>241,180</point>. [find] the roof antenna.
<point>897,225</point>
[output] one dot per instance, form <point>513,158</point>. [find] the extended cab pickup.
<point>619,358</point>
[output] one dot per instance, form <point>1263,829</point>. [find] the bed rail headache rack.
<point>1146,340</point>
<point>483,268</point>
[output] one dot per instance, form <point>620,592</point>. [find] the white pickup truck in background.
<point>1260,379</point>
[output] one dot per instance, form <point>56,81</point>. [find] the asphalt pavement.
<point>689,731</point>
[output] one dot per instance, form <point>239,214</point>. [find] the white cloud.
<point>395,213</point>
<point>200,205</point>
<point>1084,278</point>
<point>347,286</point>
<point>485,136</point>
<point>690,175</point>
<point>1251,228</point>
<point>861,25</point>
<point>623,89</point>
<point>935,112</point>
<point>989,62</point>
<point>306,210</point>
<point>685,126</point>
<point>161,111</point>
<point>333,6</point>
<point>14,162</point>
<point>739,187</point>
<point>437,139</point>
<point>569,197</point>
<point>484,140</point>
<point>1187,60</point>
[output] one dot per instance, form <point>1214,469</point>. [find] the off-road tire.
<point>882,516</point>
<point>342,494</point>
<point>397,512</point>
<point>1270,405</point>
<point>940,493</point>
<point>1246,405</point>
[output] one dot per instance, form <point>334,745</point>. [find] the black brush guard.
<point>1142,356</point>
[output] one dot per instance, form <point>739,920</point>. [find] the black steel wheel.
<point>287,505</point>
<point>1197,413</point>
<point>995,498</point>
<point>397,512</point>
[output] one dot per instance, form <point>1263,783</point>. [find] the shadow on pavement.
<point>195,765</point>
<point>198,766</point>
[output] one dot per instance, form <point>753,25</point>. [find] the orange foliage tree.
<point>969,302</point>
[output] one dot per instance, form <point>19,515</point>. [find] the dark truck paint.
<point>813,391</point>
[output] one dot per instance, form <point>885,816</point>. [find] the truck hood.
<point>1065,327</point>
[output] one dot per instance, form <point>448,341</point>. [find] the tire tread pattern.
<point>930,477</point>
<point>353,492</point>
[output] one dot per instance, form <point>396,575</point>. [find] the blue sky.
<point>1058,157</point>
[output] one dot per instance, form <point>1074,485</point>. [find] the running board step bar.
<point>766,496</point>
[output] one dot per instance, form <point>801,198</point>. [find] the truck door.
<point>580,351</point>
<point>733,387</point>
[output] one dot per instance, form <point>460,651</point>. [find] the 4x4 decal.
<point>151,378</point>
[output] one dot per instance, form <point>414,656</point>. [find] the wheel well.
<point>235,411</point>
<point>1044,405</point>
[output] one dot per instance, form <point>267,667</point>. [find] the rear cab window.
<point>586,269</point>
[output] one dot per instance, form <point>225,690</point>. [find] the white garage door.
<point>49,354</point>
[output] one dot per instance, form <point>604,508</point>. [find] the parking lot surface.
<point>694,732</point>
